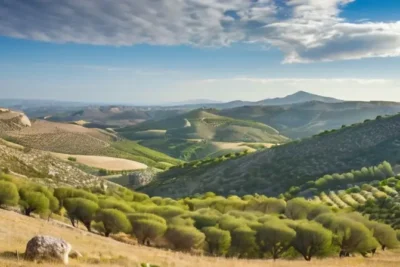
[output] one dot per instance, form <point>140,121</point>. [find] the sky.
<point>161,51</point>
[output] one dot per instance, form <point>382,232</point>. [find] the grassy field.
<point>17,230</point>
<point>101,162</point>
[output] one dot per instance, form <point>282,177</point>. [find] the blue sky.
<point>148,52</point>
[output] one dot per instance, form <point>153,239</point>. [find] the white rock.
<point>48,248</point>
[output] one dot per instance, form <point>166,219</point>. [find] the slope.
<point>307,119</point>
<point>203,124</point>
<point>275,170</point>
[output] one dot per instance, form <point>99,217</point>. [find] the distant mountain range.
<point>296,98</point>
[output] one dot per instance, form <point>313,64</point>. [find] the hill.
<point>296,98</point>
<point>12,120</point>
<point>273,171</point>
<point>310,118</point>
<point>42,167</point>
<point>203,124</point>
<point>78,140</point>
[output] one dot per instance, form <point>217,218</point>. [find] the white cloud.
<point>304,30</point>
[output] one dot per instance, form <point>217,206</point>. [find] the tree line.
<point>252,226</point>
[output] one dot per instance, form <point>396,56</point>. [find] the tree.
<point>112,203</point>
<point>114,221</point>
<point>297,209</point>
<point>218,241</point>
<point>204,220</point>
<point>81,209</point>
<point>385,235</point>
<point>147,227</point>
<point>34,202</point>
<point>274,237</point>
<point>311,239</point>
<point>243,242</point>
<point>351,236</point>
<point>8,194</point>
<point>185,238</point>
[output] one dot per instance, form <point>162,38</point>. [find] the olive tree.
<point>311,239</point>
<point>243,242</point>
<point>274,238</point>
<point>297,209</point>
<point>81,209</point>
<point>34,202</point>
<point>8,194</point>
<point>185,238</point>
<point>218,241</point>
<point>147,227</point>
<point>114,221</point>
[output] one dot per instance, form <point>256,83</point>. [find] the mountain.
<point>299,97</point>
<point>203,124</point>
<point>275,170</point>
<point>310,118</point>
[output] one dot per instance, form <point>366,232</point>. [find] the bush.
<point>185,238</point>
<point>218,241</point>
<point>8,194</point>
<point>73,159</point>
<point>114,221</point>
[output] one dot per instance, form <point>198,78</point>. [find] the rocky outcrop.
<point>48,248</point>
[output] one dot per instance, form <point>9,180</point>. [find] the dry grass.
<point>16,230</point>
<point>101,162</point>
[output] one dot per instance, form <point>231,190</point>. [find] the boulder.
<point>48,248</point>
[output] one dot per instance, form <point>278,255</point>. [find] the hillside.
<point>42,167</point>
<point>77,140</point>
<point>296,98</point>
<point>307,119</point>
<point>12,120</point>
<point>273,171</point>
<point>202,124</point>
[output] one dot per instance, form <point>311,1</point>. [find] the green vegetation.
<point>252,226</point>
<point>275,170</point>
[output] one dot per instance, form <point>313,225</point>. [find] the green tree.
<point>185,238</point>
<point>297,209</point>
<point>112,203</point>
<point>243,243</point>
<point>218,241</point>
<point>311,239</point>
<point>81,209</point>
<point>204,220</point>
<point>114,221</point>
<point>34,202</point>
<point>274,238</point>
<point>8,194</point>
<point>147,227</point>
<point>385,235</point>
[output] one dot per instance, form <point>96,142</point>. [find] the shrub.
<point>114,221</point>
<point>185,238</point>
<point>204,220</point>
<point>218,241</point>
<point>73,159</point>
<point>8,194</point>
<point>112,203</point>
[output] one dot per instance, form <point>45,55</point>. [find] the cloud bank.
<point>304,30</point>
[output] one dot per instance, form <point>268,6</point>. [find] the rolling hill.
<point>296,98</point>
<point>202,124</point>
<point>273,171</point>
<point>310,118</point>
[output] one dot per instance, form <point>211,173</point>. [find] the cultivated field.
<point>17,229</point>
<point>101,162</point>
